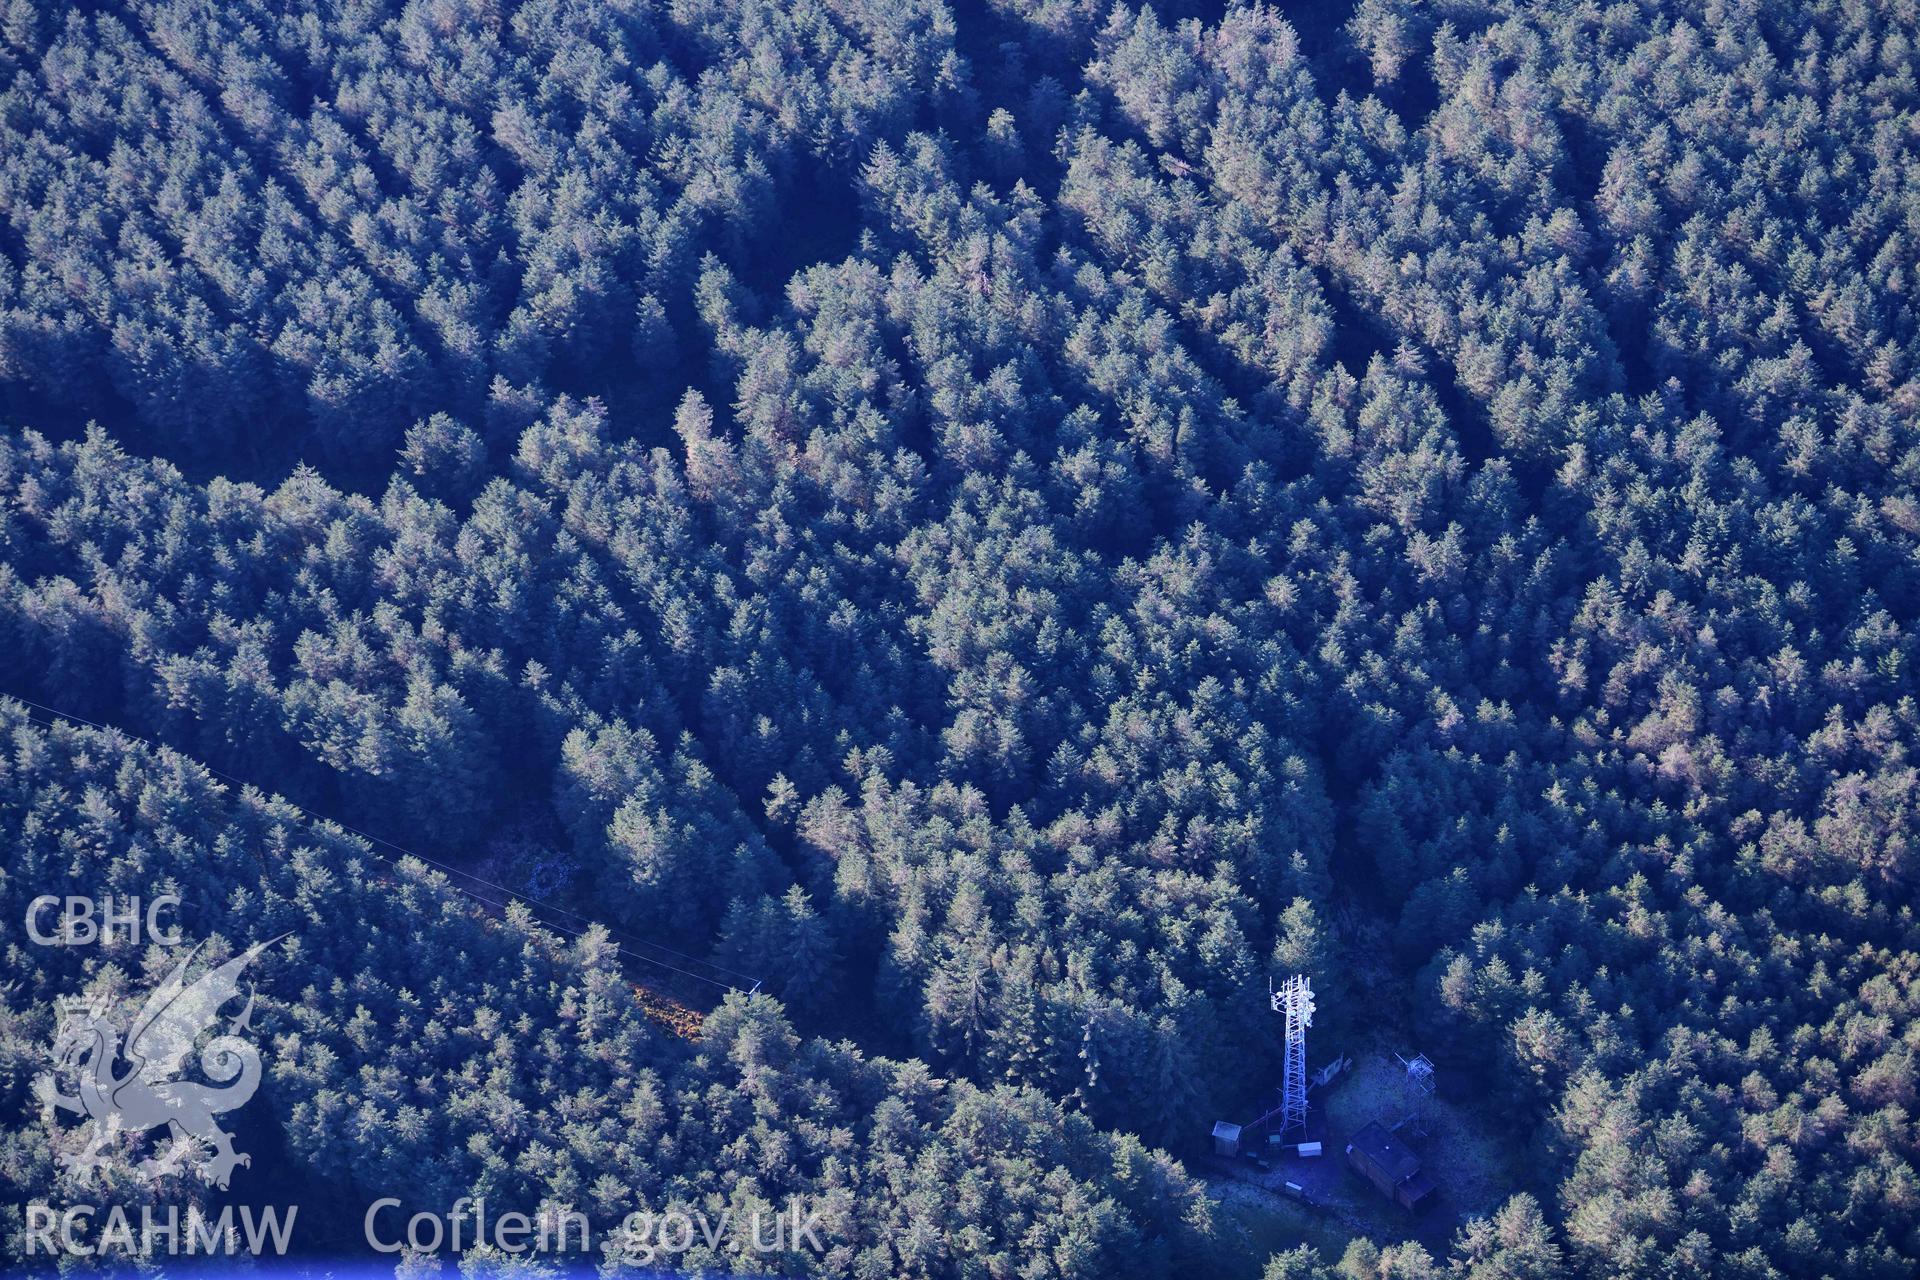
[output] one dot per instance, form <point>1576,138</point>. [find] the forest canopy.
<point>984,536</point>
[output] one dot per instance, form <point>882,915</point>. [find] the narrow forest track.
<point>680,1020</point>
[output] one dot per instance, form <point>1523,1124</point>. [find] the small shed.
<point>1226,1138</point>
<point>1384,1160</point>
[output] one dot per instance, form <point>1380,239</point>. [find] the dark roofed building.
<point>1389,1164</point>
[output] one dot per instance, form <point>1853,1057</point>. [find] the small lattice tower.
<point>1417,1092</point>
<point>1295,1000</point>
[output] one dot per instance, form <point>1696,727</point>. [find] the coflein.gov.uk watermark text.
<point>643,1237</point>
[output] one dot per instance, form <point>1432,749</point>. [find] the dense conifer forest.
<point>810,598</point>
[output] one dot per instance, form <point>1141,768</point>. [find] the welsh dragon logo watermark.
<point>129,1077</point>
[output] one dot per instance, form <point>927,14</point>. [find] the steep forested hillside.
<point>1013,526</point>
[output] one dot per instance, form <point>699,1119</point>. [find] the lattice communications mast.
<point>1295,1000</point>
